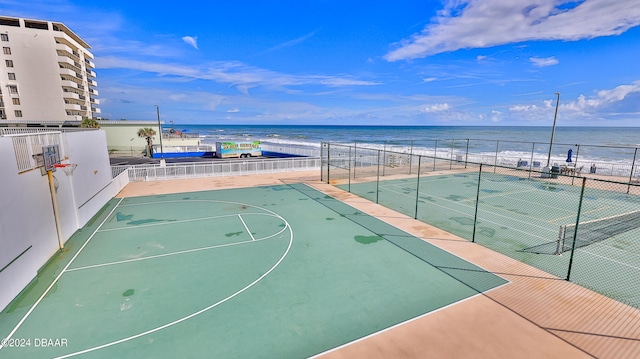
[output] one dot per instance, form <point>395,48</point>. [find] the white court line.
<point>287,225</point>
<point>409,320</point>
<point>608,259</point>
<point>157,256</point>
<point>515,229</point>
<point>33,307</point>
<point>504,194</point>
<point>544,239</point>
<point>245,227</point>
<point>180,252</point>
<point>479,209</point>
<point>177,222</point>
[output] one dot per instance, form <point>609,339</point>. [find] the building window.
<point>12,76</point>
<point>6,50</point>
<point>16,101</point>
<point>4,37</point>
<point>13,89</point>
<point>9,63</point>
<point>18,113</point>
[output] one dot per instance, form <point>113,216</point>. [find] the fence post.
<point>322,144</point>
<point>410,157</point>
<point>495,159</point>
<point>355,158</point>
<point>475,215</point>
<point>635,153</point>
<point>466,155</point>
<point>533,147</point>
<point>328,162</point>
<point>575,230</point>
<point>418,188</point>
<point>378,178</point>
<point>435,155</point>
<point>576,163</point>
<point>451,156</point>
<point>349,170</point>
<point>384,158</point>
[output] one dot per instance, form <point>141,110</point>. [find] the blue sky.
<point>452,62</point>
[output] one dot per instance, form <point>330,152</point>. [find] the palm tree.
<point>148,134</point>
<point>89,123</point>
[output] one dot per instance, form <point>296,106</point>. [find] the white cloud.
<point>233,110</point>
<point>597,106</point>
<point>543,62</point>
<point>232,72</point>
<point>191,40</point>
<point>464,24</point>
<point>603,98</point>
<point>523,108</point>
<point>429,79</point>
<point>495,116</point>
<point>439,107</point>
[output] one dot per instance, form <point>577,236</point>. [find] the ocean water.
<point>592,145</point>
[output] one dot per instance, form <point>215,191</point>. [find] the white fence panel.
<point>139,173</point>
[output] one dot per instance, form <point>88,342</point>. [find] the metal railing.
<point>215,168</point>
<point>28,146</point>
<point>598,159</point>
<point>308,151</point>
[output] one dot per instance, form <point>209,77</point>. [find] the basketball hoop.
<point>68,168</point>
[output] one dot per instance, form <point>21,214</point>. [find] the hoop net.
<point>68,168</point>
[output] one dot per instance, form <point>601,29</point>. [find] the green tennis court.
<point>278,271</point>
<point>522,217</point>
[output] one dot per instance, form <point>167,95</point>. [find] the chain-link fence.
<point>582,229</point>
<point>619,162</point>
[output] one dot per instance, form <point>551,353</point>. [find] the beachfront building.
<point>47,73</point>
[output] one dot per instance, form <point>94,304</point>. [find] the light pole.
<point>160,128</point>
<point>553,131</point>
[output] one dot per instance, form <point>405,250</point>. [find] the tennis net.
<point>596,230</point>
<point>589,232</point>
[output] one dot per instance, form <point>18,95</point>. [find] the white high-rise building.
<point>46,73</point>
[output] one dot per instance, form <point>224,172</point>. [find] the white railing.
<point>28,146</point>
<point>291,149</point>
<point>32,130</point>
<point>217,168</point>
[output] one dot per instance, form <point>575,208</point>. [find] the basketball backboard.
<point>51,155</point>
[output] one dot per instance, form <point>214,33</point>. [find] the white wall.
<point>26,211</point>
<point>26,220</point>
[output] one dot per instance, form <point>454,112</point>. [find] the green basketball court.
<point>278,271</point>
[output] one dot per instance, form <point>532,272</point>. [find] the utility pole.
<point>553,130</point>
<point>162,161</point>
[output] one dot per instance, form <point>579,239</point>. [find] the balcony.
<point>95,110</point>
<point>93,92</point>
<point>89,64</point>
<point>95,101</point>
<point>70,95</point>
<point>68,72</point>
<point>72,106</point>
<point>92,82</point>
<point>71,84</point>
<point>91,73</point>
<point>64,50</point>
<point>67,78</point>
<point>66,61</point>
